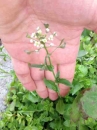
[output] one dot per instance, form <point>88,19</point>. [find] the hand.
<point>67,18</point>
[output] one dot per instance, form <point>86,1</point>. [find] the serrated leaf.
<point>65,82</point>
<point>60,107</point>
<point>51,84</point>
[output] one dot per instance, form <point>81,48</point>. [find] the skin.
<point>67,18</point>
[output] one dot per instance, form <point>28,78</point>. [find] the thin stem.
<point>54,50</point>
<point>49,60</point>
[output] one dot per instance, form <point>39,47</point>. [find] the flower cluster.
<point>39,40</point>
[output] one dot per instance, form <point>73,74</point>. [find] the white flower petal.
<point>39,31</point>
<point>41,46</point>
<point>37,28</point>
<point>52,44</point>
<point>32,35</point>
<point>35,44</point>
<point>31,40</point>
<point>47,30</point>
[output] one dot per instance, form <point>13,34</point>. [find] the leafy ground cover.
<point>77,111</point>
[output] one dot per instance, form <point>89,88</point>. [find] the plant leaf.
<point>51,84</point>
<point>58,75</point>
<point>12,106</point>
<point>76,88</point>
<point>50,67</point>
<point>65,82</point>
<point>82,53</point>
<point>32,98</point>
<point>46,25</point>
<point>60,107</point>
<point>89,103</point>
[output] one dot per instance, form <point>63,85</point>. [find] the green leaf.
<point>51,84</point>
<point>49,67</point>
<point>89,103</point>
<point>46,25</point>
<point>31,128</point>
<point>75,112</point>
<point>1,124</point>
<point>60,107</point>
<point>36,65</point>
<point>76,88</point>
<point>32,98</point>
<point>82,127</point>
<point>83,69</point>
<point>86,32</point>
<point>57,75</point>
<point>82,53</point>
<point>12,106</point>
<point>65,82</point>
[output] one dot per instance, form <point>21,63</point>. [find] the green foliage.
<point>60,106</point>
<point>51,84</point>
<point>64,81</point>
<point>77,111</point>
<point>89,102</point>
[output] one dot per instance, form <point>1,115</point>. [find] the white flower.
<point>52,44</point>
<point>37,28</point>
<point>37,44</point>
<point>41,46</point>
<point>51,37</point>
<point>32,35</point>
<point>44,40</point>
<point>31,40</point>
<point>39,31</point>
<point>47,30</point>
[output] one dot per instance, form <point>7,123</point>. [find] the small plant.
<point>44,41</point>
<point>77,111</point>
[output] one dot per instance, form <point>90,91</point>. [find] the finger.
<point>23,73</point>
<point>67,72</point>
<point>48,75</point>
<point>38,77</point>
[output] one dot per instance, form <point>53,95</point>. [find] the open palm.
<point>67,19</point>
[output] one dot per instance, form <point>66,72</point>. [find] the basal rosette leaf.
<point>89,103</point>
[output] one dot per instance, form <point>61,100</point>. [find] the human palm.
<point>22,17</point>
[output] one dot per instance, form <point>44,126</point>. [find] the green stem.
<point>49,60</point>
<point>51,64</point>
<point>54,50</point>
